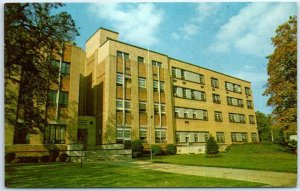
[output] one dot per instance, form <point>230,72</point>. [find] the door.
<point>82,136</point>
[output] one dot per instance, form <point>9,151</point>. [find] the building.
<point>116,92</point>
<point>136,93</point>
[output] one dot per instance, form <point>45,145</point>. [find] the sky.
<point>232,37</point>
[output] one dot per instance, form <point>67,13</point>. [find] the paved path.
<point>271,179</point>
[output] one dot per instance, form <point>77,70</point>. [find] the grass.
<point>96,175</point>
<point>269,157</point>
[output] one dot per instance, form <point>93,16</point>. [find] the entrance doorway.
<point>82,136</point>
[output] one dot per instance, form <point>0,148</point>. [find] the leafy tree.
<point>264,126</point>
<point>282,71</point>
<point>32,34</point>
<point>212,147</point>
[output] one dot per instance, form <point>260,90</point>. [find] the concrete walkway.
<point>271,179</point>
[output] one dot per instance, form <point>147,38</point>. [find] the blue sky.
<point>232,38</point>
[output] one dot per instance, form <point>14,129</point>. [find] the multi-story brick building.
<point>116,91</point>
<point>137,93</point>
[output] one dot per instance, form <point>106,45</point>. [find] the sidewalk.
<point>271,179</point>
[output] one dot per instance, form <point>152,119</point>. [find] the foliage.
<point>32,34</point>
<point>211,146</point>
<point>53,154</point>
<point>293,145</point>
<point>45,158</point>
<point>137,146</point>
<point>63,157</point>
<point>171,149</point>
<point>156,150</point>
<point>264,126</point>
<point>28,159</point>
<point>127,144</point>
<point>282,71</point>
<point>10,157</point>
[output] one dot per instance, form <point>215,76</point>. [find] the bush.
<point>212,148</point>
<point>127,144</point>
<point>293,145</point>
<point>63,157</point>
<point>156,150</point>
<point>171,149</point>
<point>54,153</point>
<point>28,159</point>
<point>45,158</point>
<point>137,146</point>
<point>10,157</point>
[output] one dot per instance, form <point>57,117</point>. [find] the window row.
<point>140,59</point>
<point>189,93</point>
<point>232,101</point>
<point>189,113</point>
<point>158,86</point>
<point>187,75</point>
<point>63,98</point>
<point>124,134</point>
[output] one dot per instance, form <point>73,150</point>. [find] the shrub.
<point>156,150</point>
<point>10,157</point>
<point>171,149</point>
<point>293,145</point>
<point>137,146</point>
<point>212,148</point>
<point>54,153</point>
<point>45,158</point>
<point>63,157</point>
<point>127,144</point>
<point>28,159</point>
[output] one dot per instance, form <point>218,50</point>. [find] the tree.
<point>264,126</point>
<point>212,148</point>
<point>32,35</point>
<point>282,71</point>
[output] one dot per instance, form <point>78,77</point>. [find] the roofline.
<point>98,30</point>
<point>174,59</point>
<point>209,70</point>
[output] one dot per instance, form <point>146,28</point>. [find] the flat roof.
<point>174,59</point>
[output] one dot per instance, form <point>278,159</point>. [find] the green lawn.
<point>268,157</point>
<point>60,175</point>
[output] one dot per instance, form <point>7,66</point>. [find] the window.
<point>142,107</point>
<point>233,87</point>
<point>186,115</point>
<point>235,102</point>
<point>63,99</point>
<point>198,95</point>
<point>123,134</point>
<point>173,72</point>
<point>247,91</point>
<point>194,115</point>
<point>218,116</point>
<point>237,118</point>
<point>163,109</point>
<point>196,137</point>
<point>220,137</point>
<point>143,135</point>
<point>155,86</point>
<point>156,63</point>
<point>214,83</point>
<point>140,60</point>
<point>177,137</point>
<point>249,104</point>
<point>52,97</point>
<point>254,137</point>
<point>160,136</point>
<point>239,137</point>
<point>177,114</point>
<point>201,79</point>
<point>54,134</point>
<point>123,55</point>
<point>119,78</point>
<point>251,119</point>
<point>216,98</point>
<point>184,93</point>
<point>21,134</point>
<point>65,66</point>
<point>119,104</point>
<point>142,83</point>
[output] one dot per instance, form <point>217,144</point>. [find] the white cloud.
<point>250,31</point>
<point>204,11</point>
<point>136,23</point>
